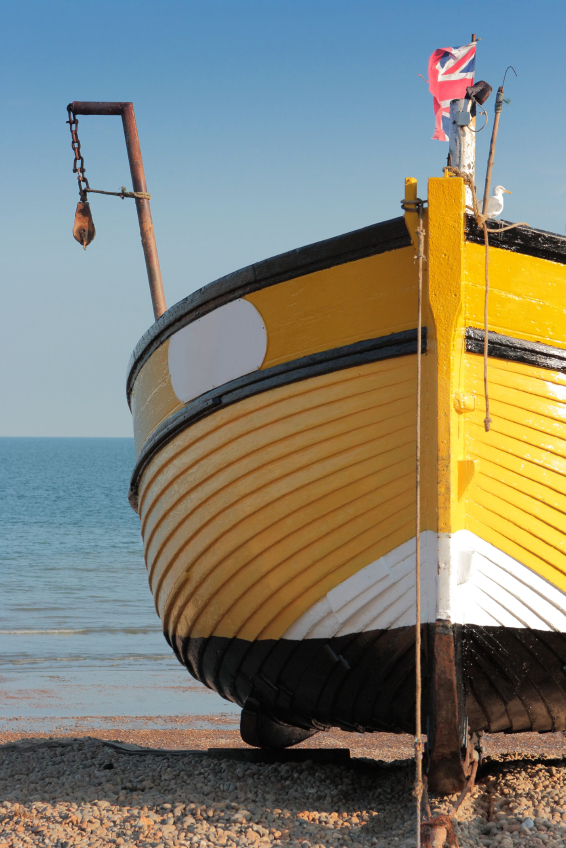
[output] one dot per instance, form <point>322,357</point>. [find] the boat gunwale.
<point>541,244</point>
<point>382,348</point>
<point>318,256</point>
<point>327,253</point>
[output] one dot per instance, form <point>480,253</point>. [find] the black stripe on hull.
<point>315,365</point>
<point>513,679</point>
<point>516,350</point>
<point>349,247</point>
<point>525,240</point>
<point>360,682</point>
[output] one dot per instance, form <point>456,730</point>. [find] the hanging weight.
<point>83,228</point>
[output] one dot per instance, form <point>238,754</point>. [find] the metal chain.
<point>79,169</point>
<point>79,163</point>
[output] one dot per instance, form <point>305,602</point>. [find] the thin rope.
<point>487,419</point>
<point>140,195</point>
<point>418,681</point>
<point>481,221</point>
<point>419,788</point>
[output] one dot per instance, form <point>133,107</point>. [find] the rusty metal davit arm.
<point>126,110</point>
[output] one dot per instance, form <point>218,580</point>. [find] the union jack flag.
<point>450,72</point>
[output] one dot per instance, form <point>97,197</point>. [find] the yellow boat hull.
<point>274,417</point>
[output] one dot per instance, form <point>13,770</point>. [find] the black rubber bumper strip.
<point>517,350</point>
<point>524,240</point>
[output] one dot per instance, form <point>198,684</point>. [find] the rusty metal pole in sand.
<point>126,110</point>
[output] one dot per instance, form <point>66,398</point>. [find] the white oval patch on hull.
<point>227,343</point>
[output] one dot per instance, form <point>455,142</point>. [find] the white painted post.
<point>462,141</point>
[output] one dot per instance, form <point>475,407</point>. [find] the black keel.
<point>448,766</point>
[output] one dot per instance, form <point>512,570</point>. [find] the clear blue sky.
<point>264,126</point>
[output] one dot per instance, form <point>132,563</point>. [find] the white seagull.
<point>495,202</point>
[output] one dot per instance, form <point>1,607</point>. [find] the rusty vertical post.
<point>144,211</point>
<point>126,110</point>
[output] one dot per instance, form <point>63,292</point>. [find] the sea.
<point>79,634</point>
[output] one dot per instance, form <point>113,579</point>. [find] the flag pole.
<point>462,138</point>
<point>449,161</point>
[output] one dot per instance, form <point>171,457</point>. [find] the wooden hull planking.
<point>277,506</point>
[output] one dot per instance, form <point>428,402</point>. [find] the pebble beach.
<point>83,791</point>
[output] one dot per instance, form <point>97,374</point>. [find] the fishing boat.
<point>274,414</point>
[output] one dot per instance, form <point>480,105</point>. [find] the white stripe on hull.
<point>380,596</point>
<point>465,580</point>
